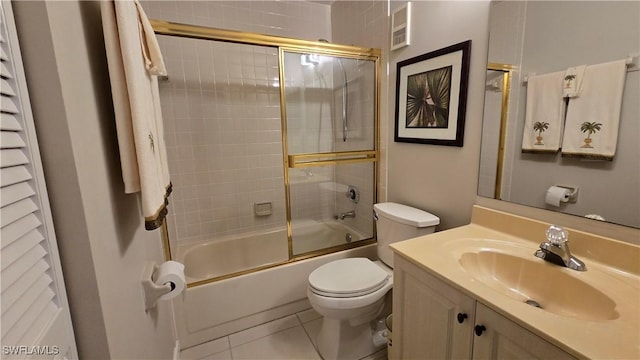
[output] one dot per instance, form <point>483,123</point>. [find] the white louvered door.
<point>35,320</point>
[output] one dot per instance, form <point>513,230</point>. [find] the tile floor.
<point>288,338</point>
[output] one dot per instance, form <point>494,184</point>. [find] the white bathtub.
<point>209,311</point>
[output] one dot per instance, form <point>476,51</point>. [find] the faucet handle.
<point>557,235</point>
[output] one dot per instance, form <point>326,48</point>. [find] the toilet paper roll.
<point>556,195</point>
<point>172,273</point>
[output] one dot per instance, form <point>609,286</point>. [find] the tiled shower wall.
<point>223,118</point>
<point>298,19</point>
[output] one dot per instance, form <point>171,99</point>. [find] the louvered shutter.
<point>31,281</point>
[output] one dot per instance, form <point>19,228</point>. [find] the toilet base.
<point>341,340</point>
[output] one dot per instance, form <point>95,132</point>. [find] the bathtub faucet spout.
<point>348,214</point>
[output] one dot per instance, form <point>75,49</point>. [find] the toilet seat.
<point>347,278</point>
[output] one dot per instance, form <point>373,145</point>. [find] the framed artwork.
<point>431,96</point>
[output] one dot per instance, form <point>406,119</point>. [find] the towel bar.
<point>630,61</point>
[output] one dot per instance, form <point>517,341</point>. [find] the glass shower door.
<point>261,181</point>
<point>222,125</point>
<point>330,121</point>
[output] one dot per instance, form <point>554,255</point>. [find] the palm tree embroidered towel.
<point>543,115</point>
<point>134,61</point>
<point>591,128</point>
<point>572,85</point>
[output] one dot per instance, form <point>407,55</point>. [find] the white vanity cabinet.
<point>432,320</point>
<point>501,338</point>
<point>425,316</point>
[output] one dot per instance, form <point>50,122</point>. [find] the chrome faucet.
<point>556,249</point>
<point>349,214</point>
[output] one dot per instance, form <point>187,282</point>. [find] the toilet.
<point>350,293</point>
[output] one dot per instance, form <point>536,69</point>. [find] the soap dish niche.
<point>262,209</point>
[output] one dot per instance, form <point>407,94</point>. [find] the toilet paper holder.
<point>572,196</point>
<point>150,290</point>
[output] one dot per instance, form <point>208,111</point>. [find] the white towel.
<point>591,128</point>
<point>543,116</point>
<point>135,60</point>
<point>572,86</point>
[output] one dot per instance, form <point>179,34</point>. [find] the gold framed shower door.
<point>285,44</point>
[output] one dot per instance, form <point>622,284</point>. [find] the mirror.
<point>540,37</point>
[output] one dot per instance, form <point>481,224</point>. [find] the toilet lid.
<point>347,278</point>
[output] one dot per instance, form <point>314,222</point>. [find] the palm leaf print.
<point>428,96</point>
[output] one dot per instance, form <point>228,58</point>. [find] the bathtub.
<point>213,310</point>
<point>311,235</point>
<point>238,253</point>
<point>233,254</point>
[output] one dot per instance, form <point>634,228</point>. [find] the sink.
<point>538,283</point>
<point>492,262</point>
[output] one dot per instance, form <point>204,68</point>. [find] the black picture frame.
<point>431,96</point>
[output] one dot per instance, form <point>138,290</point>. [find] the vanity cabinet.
<point>433,320</point>
<point>501,338</point>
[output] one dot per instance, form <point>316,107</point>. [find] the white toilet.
<point>350,293</point>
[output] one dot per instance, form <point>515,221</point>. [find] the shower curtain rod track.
<point>163,27</point>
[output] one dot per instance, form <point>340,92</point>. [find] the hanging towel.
<point>591,129</point>
<point>134,60</point>
<point>572,85</point>
<point>543,116</point>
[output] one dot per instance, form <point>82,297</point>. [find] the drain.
<point>533,303</point>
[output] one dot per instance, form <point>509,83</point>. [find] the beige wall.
<point>103,244</point>
<point>441,179</point>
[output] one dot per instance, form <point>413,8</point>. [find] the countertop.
<point>614,274</point>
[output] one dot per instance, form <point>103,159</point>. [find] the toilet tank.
<point>397,222</point>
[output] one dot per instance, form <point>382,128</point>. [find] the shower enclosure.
<point>273,148</point>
